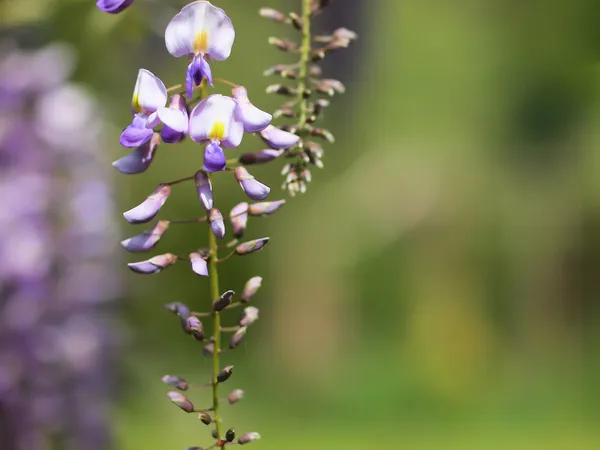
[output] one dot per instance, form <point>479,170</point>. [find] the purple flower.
<point>200,30</point>
<point>252,188</point>
<point>254,119</point>
<point>140,159</point>
<point>217,225</point>
<point>153,265</point>
<point>147,240</point>
<point>265,208</point>
<point>260,157</point>
<point>204,189</point>
<point>279,139</point>
<point>239,219</point>
<point>146,210</point>
<point>199,265</point>
<point>213,121</point>
<point>149,95</point>
<point>113,6</point>
<point>175,120</point>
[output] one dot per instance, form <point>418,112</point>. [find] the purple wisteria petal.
<point>235,134</point>
<point>147,240</point>
<point>200,28</point>
<point>254,246</point>
<point>199,265</point>
<point>153,265</point>
<point>196,71</point>
<point>260,157</point>
<point>211,119</point>
<point>217,226</point>
<point>214,158</point>
<point>146,211</point>
<point>140,159</point>
<point>170,136</point>
<point>113,6</point>
<point>204,189</point>
<point>239,219</point>
<point>136,134</point>
<point>149,93</point>
<point>252,188</point>
<point>265,208</point>
<point>278,139</point>
<point>253,119</point>
<point>176,119</point>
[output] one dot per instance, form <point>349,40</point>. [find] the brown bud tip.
<point>205,418</point>
<point>237,337</point>
<point>251,246</point>
<point>182,401</point>
<point>223,301</point>
<point>176,382</point>
<point>230,435</point>
<point>235,396</point>
<point>248,437</point>
<point>224,374</point>
<point>194,327</point>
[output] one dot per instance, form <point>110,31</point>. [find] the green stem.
<point>305,50</point>
<point>213,277</point>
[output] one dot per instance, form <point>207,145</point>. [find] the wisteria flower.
<point>149,95</point>
<point>113,6</point>
<point>254,119</point>
<point>202,31</point>
<point>213,121</point>
<point>175,120</point>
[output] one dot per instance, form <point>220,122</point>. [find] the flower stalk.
<point>305,50</point>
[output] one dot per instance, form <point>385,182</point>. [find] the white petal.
<point>254,119</point>
<point>195,18</point>
<point>234,137</point>
<point>175,119</point>
<point>210,111</point>
<point>149,93</point>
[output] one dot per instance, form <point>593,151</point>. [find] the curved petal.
<point>170,136</point>
<point>235,135</point>
<point>254,119</point>
<point>147,240</point>
<point>200,28</point>
<point>204,189</point>
<point>214,158</point>
<point>136,134</point>
<point>139,160</point>
<point>199,265</point>
<point>149,93</point>
<point>176,119</point>
<point>211,118</point>
<point>279,139</point>
<point>113,6</point>
<point>146,210</point>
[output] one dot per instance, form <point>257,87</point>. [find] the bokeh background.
<point>438,284</point>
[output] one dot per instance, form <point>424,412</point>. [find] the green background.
<point>438,284</point>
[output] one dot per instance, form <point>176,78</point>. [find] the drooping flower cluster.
<point>309,95</point>
<point>56,275</point>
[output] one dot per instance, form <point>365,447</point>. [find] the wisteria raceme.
<point>56,276</point>
<point>216,123</point>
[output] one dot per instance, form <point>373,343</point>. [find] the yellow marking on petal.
<point>218,132</point>
<point>201,42</point>
<point>135,103</point>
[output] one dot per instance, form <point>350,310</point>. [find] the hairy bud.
<point>239,219</point>
<point>250,288</point>
<point>251,246</point>
<point>248,437</point>
<point>148,209</point>
<point>176,382</point>
<point>224,374</point>
<point>153,265</point>
<point>237,338</point>
<point>235,396</point>
<point>223,301</point>
<point>230,435</point>
<point>182,401</point>
<point>249,316</point>
<point>205,418</point>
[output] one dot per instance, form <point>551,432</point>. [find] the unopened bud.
<point>205,418</point>
<point>176,382</point>
<point>182,401</point>
<point>140,159</point>
<point>265,208</point>
<point>199,265</point>
<point>237,338</point>
<point>283,44</point>
<point>290,74</point>
<point>224,374</point>
<point>153,265</point>
<point>317,56</point>
<point>248,437</point>
<point>249,316</point>
<point>273,14</point>
<point>260,157</point>
<point>251,246</point>
<point>345,33</point>
<point>195,328</point>
<point>250,288</point>
<point>223,301</point>
<point>209,349</point>
<point>322,133</point>
<point>276,70</point>
<point>253,188</point>
<point>217,226</point>
<point>230,435</point>
<point>147,240</point>
<point>235,396</point>
<point>239,219</point>
<point>194,448</point>
<point>296,20</point>
<point>282,90</point>
<point>204,189</point>
<point>214,433</point>
<point>146,210</point>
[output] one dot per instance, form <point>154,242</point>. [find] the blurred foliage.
<point>438,285</point>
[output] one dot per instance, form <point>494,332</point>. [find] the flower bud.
<point>153,265</point>
<point>147,240</point>
<point>224,374</point>
<point>250,288</point>
<point>199,265</point>
<point>239,219</point>
<point>248,437</point>
<point>195,328</point>
<point>230,435</point>
<point>260,157</point>
<point>251,187</point>
<point>235,396</point>
<point>178,308</point>
<point>223,301</point>
<point>182,401</point>
<point>296,20</point>
<point>237,338</point>
<point>146,210</point>
<point>265,208</point>
<point>249,316</point>
<point>194,448</point>
<point>113,6</point>
<point>251,246</point>
<point>322,133</point>
<point>284,45</point>
<point>214,433</point>
<point>345,33</point>
<point>204,189</point>
<point>272,14</point>
<point>282,90</point>
<point>317,56</point>
<point>205,418</point>
<point>140,159</point>
<point>209,349</point>
<point>176,382</point>
<point>278,139</point>
<point>276,70</point>
<point>217,226</point>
